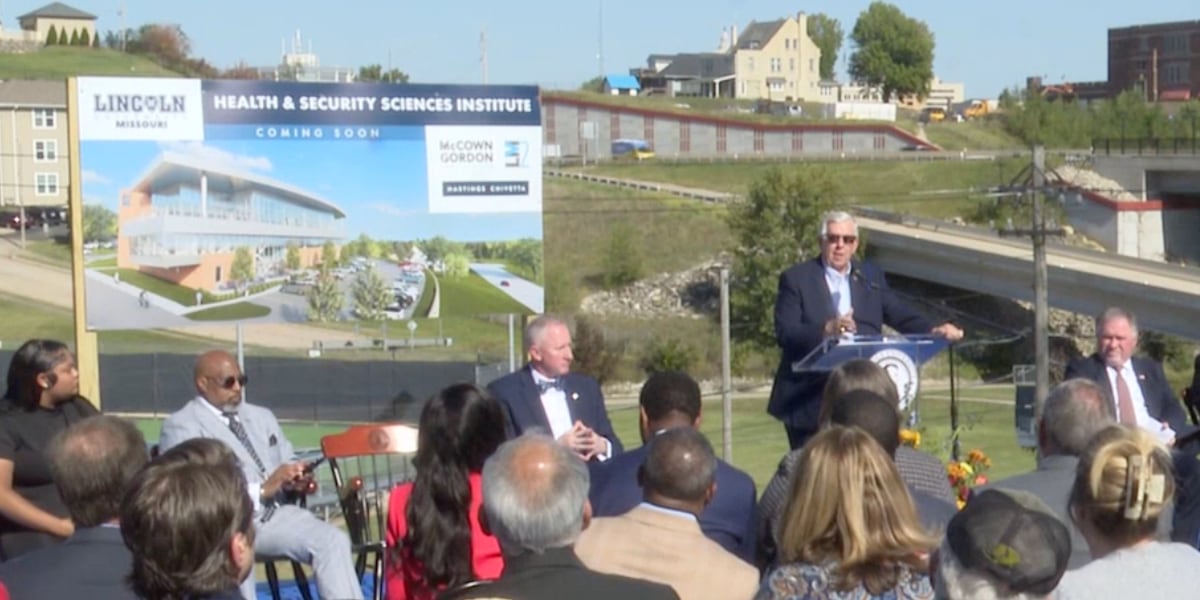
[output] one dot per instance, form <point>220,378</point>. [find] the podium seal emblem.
<point>903,371</point>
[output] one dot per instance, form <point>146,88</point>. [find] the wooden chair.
<point>367,461</point>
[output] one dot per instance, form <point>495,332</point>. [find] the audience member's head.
<point>1005,544</point>
<point>848,506</point>
<point>856,374</point>
<point>869,412</point>
<point>42,372</point>
<point>1116,336</point>
<point>460,427</point>
<point>548,345</point>
<point>187,518</point>
<point>219,380</point>
<point>668,399</point>
<point>680,470</point>
<point>1074,412</point>
<point>535,495</point>
<point>1122,484</point>
<point>92,463</point>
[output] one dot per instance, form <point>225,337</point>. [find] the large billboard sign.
<point>273,201</point>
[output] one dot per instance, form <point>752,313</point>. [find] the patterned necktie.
<point>553,384</point>
<point>239,431</point>
<point>1125,402</point>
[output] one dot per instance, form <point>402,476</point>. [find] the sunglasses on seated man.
<point>229,382</point>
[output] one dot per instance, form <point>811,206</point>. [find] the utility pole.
<point>726,367</point>
<point>600,38</point>
<point>483,63</point>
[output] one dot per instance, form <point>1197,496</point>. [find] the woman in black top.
<point>41,400</point>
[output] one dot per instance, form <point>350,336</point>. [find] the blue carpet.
<point>289,591</point>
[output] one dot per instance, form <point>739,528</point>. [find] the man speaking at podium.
<point>828,296</point>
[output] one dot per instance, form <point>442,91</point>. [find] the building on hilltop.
<point>303,65</point>
<point>35,25</point>
<point>33,143</point>
<point>774,60</point>
<point>1160,60</point>
<point>185,218</point>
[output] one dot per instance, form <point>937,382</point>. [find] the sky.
<point>987,45</point>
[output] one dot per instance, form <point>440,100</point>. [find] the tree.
<point>63,38</point>
<point>622,259</point>
<point>826,32</point>
<point>594,355</point>
<point>99,223</point>
<point>52,36</point>
<point>457,265</point>
<point>376,73</point>
<point>595,84</point>
<point>292,260</point>
<point>329,255</point>
<point>371,295</point>
<point>243,265</point>
<point>240,71</point>
<point>778,219</point>
<point>325,299</point>
<point>893,51</point>
<point>365,247</point>
<point>85,39</point>
<point>74,41</point>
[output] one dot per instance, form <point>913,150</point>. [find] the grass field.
<point>175,293</point>
<point>979,134</point>
<point>472,295</point>
<point>61,62</point>
<point>229,312</point>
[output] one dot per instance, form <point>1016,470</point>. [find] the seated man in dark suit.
<point>545,394</point>
<point>535,502</point>
<point>1136,387</point>
<point>92,463</point>
<point>669,400</point>
<point>189,522</point>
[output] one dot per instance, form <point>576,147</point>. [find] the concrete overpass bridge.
<point>1164,297</point>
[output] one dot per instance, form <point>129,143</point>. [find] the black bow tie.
<point>553,384</point>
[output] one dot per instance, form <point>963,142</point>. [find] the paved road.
<point>528,293</point>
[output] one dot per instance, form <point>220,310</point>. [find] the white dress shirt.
<point>554,402</point>
<point>253,488</point>
<point>1143,418</point>
<point>839,289</point>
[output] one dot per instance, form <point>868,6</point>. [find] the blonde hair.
<point>1122,484</point>
<point>852,375</point>
<point>849,506</point>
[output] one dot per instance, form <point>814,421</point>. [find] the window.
<point>1175,72</point>
<point>776,65</point>
<point>792,65</point>
<point>775,85</point>
<point>1175,44</point>
<point>44,118</point>
<point>45,150</point>
<point>47,184</point>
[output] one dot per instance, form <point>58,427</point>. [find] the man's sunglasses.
<point>833,238</point>
<point>229,381</point>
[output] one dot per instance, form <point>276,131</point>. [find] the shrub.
<point>667,355</point>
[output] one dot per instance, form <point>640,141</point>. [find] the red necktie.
<point>1125,402</point>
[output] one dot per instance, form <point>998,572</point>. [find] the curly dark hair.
<point>461,426</point>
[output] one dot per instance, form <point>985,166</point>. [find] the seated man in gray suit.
<point>271,469</point>
<point>92,463</point>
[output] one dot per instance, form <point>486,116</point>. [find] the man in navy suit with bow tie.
<point>826,297</point>
<point>544,393</point>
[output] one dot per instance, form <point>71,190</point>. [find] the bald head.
<point>535,494</point>
<point>680,466</point>
<point>219,379</point>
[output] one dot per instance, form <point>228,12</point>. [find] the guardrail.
<point>1146,146</point>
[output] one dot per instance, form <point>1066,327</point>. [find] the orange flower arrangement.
<point>967,474</point>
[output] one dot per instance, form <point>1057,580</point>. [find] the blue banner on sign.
<point>253,102</point>
<point>315,133</point>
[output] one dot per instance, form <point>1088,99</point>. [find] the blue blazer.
<point>1161,402</point>
<point>92,564</point>
<point>802,308</point>
<point>728,520</point>
<point>521,400</point>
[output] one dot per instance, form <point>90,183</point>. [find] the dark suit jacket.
<point>729,519</point>
<point>557,573</point>
<point>1161,402</point>
<point>91,564</point>
<point>519,395</point>
<point>802,308</point>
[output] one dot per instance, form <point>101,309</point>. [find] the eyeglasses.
<point>833,238</point>
<point>231,380</point>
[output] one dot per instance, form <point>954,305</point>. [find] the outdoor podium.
<point>900,356</point>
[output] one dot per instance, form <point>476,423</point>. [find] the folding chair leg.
<point>272,579</point>
<point>377,585</point>
<point>301,580</point>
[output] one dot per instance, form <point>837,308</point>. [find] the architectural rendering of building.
<point>185,219</point>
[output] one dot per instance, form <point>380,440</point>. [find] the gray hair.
<point>534,492</point>
<point>680,464</point>
<point>1115,312</point>
<point>837,216</point>
<point>955,582</point>
<point>1075,411</point>
<point>536,327</point>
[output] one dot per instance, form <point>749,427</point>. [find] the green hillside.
<point>60,62</point>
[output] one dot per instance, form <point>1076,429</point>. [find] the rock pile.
<point>693,293</point>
